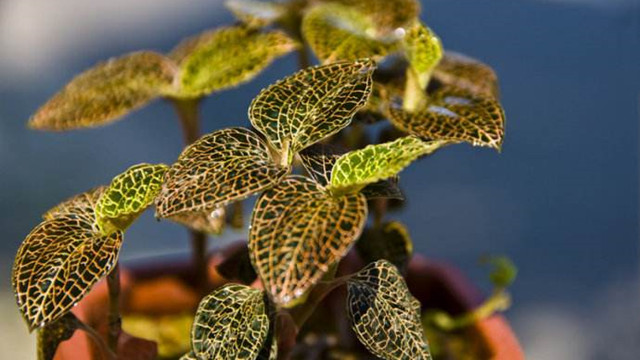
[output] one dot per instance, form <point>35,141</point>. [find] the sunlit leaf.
<point>128,195</point>
<point>356,169</point>
<point>388,15</point>
<point>384,314</point>
<point>226,57</point>
<point>298,230</point>
<point>79,204</point>
<point>50,336</point>
<point>337,32</point>
<point>231,323</point>
<point>58,262</point>
<point>311,104</point>
<point>456,115</point>
<point>466,73</point>
<point>256,13</point>
<point>391,242</point>
<point>221,167</point>
<point>106,92</point>
<point>424,50</point>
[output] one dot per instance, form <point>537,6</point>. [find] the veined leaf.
<point>128,195</point>
<point>319,166</point>
<point>388,15</point>
<point>231,323</point>
<point>50,336</point>
<point>390,242</point>
<point>338,32</point>
<point>298,230</point>
<point>356,169</point>
<point>221,167</point>
<point>79,204</point>
<point>456,115</point>
<point>256,13</point>
<point>58,262</point>
<point>384,314</point>
<point>310,105</point>
<point>189,356</point>
<point>106,92</point>
<point>424,51</point>
<point>226,57</point>
<point>462,72</point>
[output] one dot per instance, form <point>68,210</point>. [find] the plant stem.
<point>187,110</point>
<point>414,95</point>
<point>303,57</point>
<point>114,321</point>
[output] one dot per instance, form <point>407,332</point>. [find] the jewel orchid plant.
<point>315,188</point>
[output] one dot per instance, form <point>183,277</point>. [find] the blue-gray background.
<point>561,199</point>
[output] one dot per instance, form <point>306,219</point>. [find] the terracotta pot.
<point>433,283</point>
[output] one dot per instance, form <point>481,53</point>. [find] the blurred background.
<point>561,199</point>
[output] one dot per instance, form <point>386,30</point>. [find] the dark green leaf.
<point>454,115</point>
<point>231,323</point>
<point>222,167</point>
<point>311,105</point>
<point>298,231</point>
<point>391,242</point>
<point>384,314</point>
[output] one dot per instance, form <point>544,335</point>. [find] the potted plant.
<point>316,278</point>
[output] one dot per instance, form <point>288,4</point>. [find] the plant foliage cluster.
<point>379,62</point>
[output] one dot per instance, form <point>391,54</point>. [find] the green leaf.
<point>384,314</point>
<point>462,72</point>
<point>298,231</point>
<point>58,262</point>
<point>79,204</point>
<point>256,13</point>
<point>50,336</point>
<point>226,57</point>
<point>424,51</point>
<point>221,167</point>
<point>390,242</point>
<point>231,323</point>
<point>311,105</point>
<point>337,32</point>
<point>388,15</point>
<point>106,92</point>
<point>455,115</point>
<point>356,169</point>
<point>128,195</point>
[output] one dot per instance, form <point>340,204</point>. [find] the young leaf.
<point>256,13</point>
<point>424,51</point>
<point>79,204</point>
<point>226,57</point>
<point>337,32</point>
<point>455,115</point>
<point>58,262</point>
<point>128,195</point>
<point>298,230</point>
<point>384,314</point>
<point>310,105</point>
<point>391,242</point>
<point>462,72</point>
<point>231,323</point>
<point>106,92</point>
<point>221,167</point>
<point>356,169</point>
